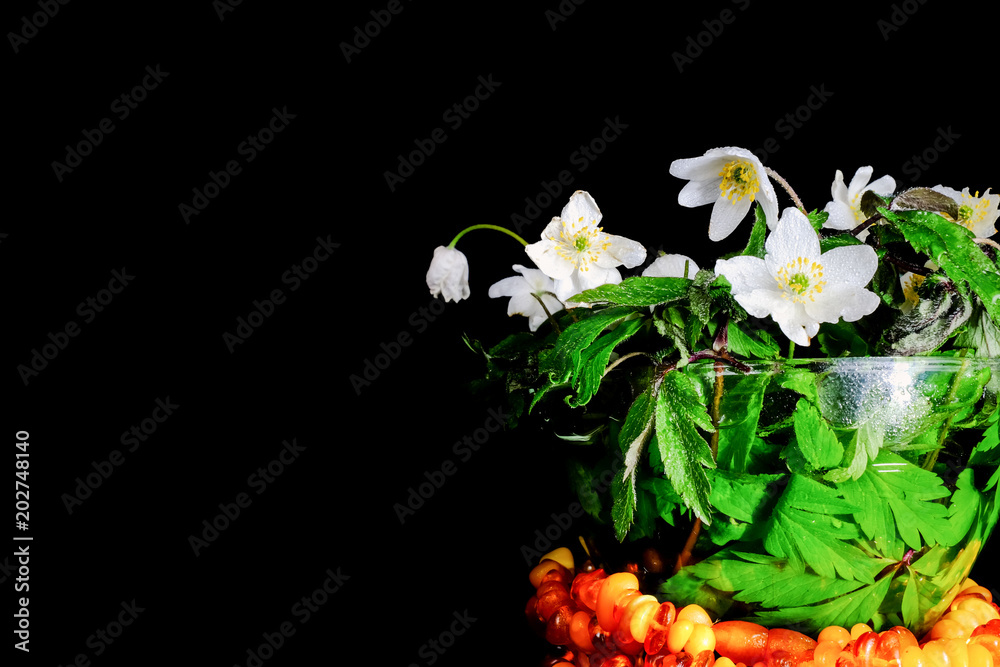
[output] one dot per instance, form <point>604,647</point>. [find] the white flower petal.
<point>699,193</point>
<point>793,238</point>
<point>701,168</point>
<point>726,216</point>
<point>545,255</point>
<point>581,206</point>
<point>852,265</point>
<point>448,274</point>
<point>884,186</point>
<point>860,180</point>
<point>508,287</point>
<point>841,216</point>
<point>623,251</point>
<point>671,266</point>
<point>745,274</point>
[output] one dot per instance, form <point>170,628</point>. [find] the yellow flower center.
<point>910,286</point>
<point>581,243</point>
<point>739,179</point>
<point>971,210</point>
<point>801,280</point>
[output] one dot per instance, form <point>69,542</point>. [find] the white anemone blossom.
<point>671,266</point>
<point>797,285</point>
<point>845,208</point>
<point>527,293</point>
<point>730,178</point>
<point>448,274</point>
<point>975,213</point>
<point>577,254</point>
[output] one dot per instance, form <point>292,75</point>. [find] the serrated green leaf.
<point>951,246</point>
<point>774,584</point>
<point>751,344</point>
<point>925,199</point>
<point>814,437</point>
<point>844,611</point>
<point>631,438</point>
<point>804,529</point>
<point>622,505</point>
<point>636,291</point>
<point>910,606</point>
<point>836,241</point>
<point>594,360</point>
<point>563,363</point>
<point>683,450</point>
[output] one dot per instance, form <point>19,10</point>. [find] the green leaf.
<point>836,241</point>
<point>817,219</point>
<point>684,452</point>
<point>563,363</point>
<point>844,611</point>
<point>631,438</point>
<point>739,415</point>
<point>981,334</point>
<point>667,500</point>
<point>951,246</point>
<point>746,499</point>
<point>841,339</point>
<point>637,291</point>
<point>814,437</point>
<point>755,246</point>
<point>942,309</point>
<point>756,344</point>
<point>925,199</point>
<point>594,360</point>
<point>804,529</point>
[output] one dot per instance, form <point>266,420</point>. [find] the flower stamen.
<point>800,280</point>
<point>739,179</point>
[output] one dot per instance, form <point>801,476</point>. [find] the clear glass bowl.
<point>846,490</point>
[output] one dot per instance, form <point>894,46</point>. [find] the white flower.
<point>577,254</point>
<point>732,178</point>
<point>525,291</point>
<point>671,266</point>
<point>975,213</point>
<point>845,209</point>
<point>796,285</point>
<point>449,274</point>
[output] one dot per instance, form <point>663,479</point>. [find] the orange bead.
<point>702,639</point>
<point>863,649</point>
<point>638,616</point>
<point>990,642</point>
<point>561,555</point>
<point>678,636</point>
<point>557,626</point>
<point>979,656</point>
<point>859,629</point>
<point>725,662</point>
<point>741,641</point>
<point>586,588</point>
<point>780,639</point>
<point>826,653</point>
<point>834,633</point>
<point>659,628</point>
<point>913,656</point>
<point>579,631</point>
<point>543,568</point>
<point>983,610</point>
<point>613,588</point>
<point>947,629</point>
<point>695,614</point>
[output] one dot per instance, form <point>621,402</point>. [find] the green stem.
<point>494,227</point>
<point>791,349</point>
<point>931,459</point>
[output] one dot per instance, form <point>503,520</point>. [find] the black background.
<point>679,80</point>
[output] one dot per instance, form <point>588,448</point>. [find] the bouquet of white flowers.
<point>817,413</point>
